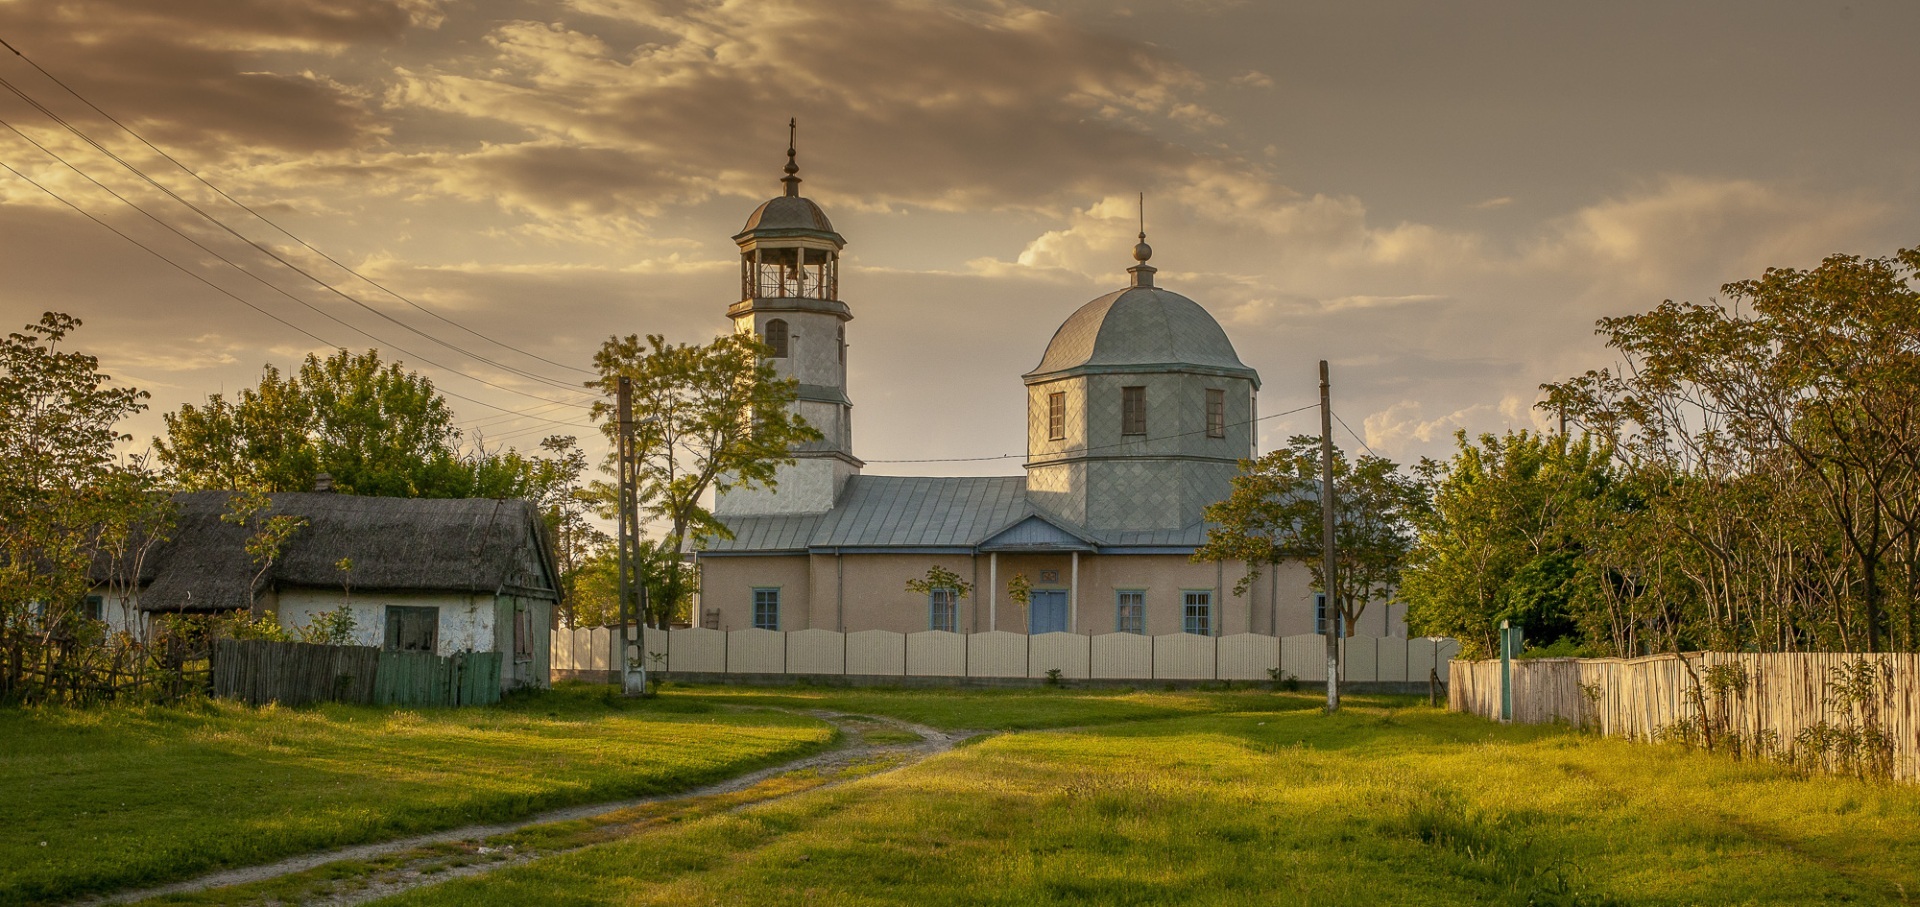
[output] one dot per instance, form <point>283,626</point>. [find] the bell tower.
<point>790,296</point>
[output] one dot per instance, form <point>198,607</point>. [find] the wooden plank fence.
<point>295,673</point>
<point>1777,704</point>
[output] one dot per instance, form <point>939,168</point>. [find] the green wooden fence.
<point>298,673</point>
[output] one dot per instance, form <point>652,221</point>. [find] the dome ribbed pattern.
<point>1141,326</point>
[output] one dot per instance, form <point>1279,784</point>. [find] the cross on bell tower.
<point>790,296</point>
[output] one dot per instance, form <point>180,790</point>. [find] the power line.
<point>1356,437</point>
<point>1087,450</point>
<point>259,279</point>
<point>261,217</point>
<point>224,291</point>
<point>135,170</point>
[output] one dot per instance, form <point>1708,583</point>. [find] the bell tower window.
<point>1133,410</point>
<point>776,336</point>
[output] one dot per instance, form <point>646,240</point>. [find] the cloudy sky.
<point>1440,198</point>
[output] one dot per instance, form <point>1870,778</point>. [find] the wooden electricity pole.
<point>633,616</point>
<point>1327,565</point>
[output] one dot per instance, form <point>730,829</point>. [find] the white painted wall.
<point>466,620</point>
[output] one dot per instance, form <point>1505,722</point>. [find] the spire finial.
<point>792,169</point>
<point>1142,272</point>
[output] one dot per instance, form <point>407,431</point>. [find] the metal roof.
<point>1138,328</point>
<point>936,512</point>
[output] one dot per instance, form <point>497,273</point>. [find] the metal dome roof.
<point>788,212</point>
<point>1141,329</point>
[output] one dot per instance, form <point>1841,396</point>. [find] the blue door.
<point>1048,611</point>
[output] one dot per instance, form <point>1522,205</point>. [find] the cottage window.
<point>1133,410</point>
<point>1056,416</point>
<point>1197,616</point>
<point>777,337</point>
<point>522,633</point>
<point>766,609</point>
<point>413,629</point>
<point>92,607</point>
<point>1216,413</point>
<point>943,610</point>
<point>1130,611</point>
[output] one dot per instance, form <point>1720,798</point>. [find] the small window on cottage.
<point>1133,410</point>
<point>1130,611</point>
<point>776,337</point>
<point>1216,413</point>
<point>766,609</point>
<point>413,629</point>
<point>1056,416</point>
<point>522,633</point>
<point>1197,613</point>
<point>943,610</point>
<point>92,607</point>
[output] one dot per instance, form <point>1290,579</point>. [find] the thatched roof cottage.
<point>418,574</point>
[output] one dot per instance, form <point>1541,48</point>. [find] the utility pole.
<point>633,616</point>
<point>1327,565</point>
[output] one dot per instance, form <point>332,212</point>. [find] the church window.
<point>943,610</point>
<point>1130,611</point>
<point>777,337</point>
<point>1056,416</point>
<point>1197,612</point>
<point>843,344</point>
<point>766,609</point>
<point>1216,413</point>
<point>1320,616</point>
<point>1133,410</point>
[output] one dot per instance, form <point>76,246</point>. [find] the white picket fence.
<point>937,653</point>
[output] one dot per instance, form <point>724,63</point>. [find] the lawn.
<point>100,799</point>
<point>1251,797</point>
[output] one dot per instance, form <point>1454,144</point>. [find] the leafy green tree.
<point>1273,515</point>
<point>1502,539</point>
<point>721,418</point>
<point>375,428</point>
<point>63,494</point>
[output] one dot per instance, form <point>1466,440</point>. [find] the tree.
<point>1798,398</point>
<point>375,428</point>
<point>721,418</point>
<point>1504,537</point>
<point>63,495</point>
<point>566,503</point>
<point>1273,515</point>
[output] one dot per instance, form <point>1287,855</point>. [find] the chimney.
<point>323,483</point>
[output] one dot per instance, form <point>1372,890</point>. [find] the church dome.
<point>1141,328</point>
<point>788,212</point>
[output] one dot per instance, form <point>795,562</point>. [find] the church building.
<point>1137,416</point>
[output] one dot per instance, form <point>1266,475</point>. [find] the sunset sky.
<point>1440,198</point>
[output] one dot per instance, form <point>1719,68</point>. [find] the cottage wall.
<point>466,621</point>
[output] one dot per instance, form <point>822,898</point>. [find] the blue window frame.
<point>766,609</point>
<point>943,610</point>
<point>1130,611</point>
<point>1197,612</point>
<point>1320,615</point>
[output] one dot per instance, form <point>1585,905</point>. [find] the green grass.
<point>141,795</point>
<point>1238,798</point>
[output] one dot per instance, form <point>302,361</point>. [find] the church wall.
<point>727,584</point>
<point>876,596</point>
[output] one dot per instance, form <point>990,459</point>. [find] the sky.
<point>1438,198</point>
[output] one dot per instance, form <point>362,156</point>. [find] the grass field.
<point>1252,797</point>
<point>99,799</point>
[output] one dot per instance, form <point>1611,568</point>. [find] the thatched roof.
<point>475,545</point>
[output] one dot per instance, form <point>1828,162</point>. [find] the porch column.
<point>993,590</point>
<point>1073,596</point>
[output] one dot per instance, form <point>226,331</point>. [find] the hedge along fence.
<point>1851,713</point>
<point>298,673</point>
<point>999,654</point>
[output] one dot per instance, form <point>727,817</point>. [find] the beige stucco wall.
<point>855,592</point>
